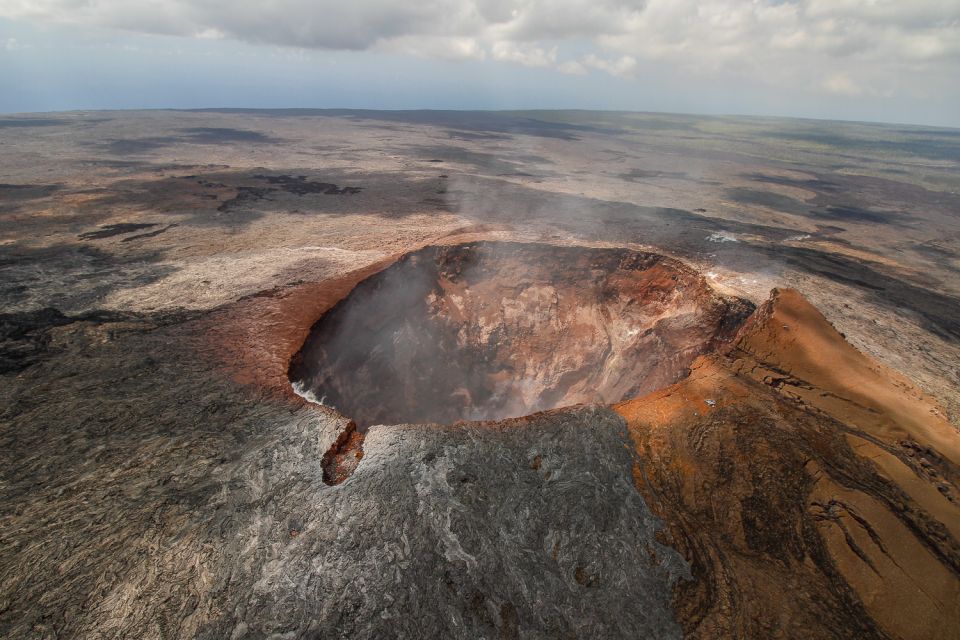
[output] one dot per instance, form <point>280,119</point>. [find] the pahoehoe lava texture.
<point>491,330</point>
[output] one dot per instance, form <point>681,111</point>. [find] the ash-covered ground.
<point>159,270</point>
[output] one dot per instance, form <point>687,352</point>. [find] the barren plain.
<point>697,376</point>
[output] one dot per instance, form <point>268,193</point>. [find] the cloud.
<point>779,43</point>
<point>527,55</point>
<point>539,20</point>
<point>841,84</point>
<point>572,67</point>
<point>623,66</point>
<point>436,47</point>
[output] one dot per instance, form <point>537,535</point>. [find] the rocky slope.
<point>813,491</point>
<point>788,487</point>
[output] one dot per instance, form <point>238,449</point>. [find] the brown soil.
<point>489,330</point>
<point>793,463</point>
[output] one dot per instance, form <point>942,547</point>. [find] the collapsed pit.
<point>491,330</point>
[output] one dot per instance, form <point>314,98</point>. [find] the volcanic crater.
<point>491,330</point>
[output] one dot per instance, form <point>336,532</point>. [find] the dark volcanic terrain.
<point>558,375</point>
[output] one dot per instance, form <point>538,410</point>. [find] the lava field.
<point>368,375</point>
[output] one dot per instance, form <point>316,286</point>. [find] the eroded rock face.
<point>491,330</point>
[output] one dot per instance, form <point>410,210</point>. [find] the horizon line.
<point>223,109</point>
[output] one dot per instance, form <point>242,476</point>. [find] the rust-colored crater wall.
<point>255,338</point>
<point>489,330</point>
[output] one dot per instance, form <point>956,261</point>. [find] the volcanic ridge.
<point>775,452</point>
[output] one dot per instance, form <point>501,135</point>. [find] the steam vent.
<point>490,330</point>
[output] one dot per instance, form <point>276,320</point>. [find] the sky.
<point>870,60</point>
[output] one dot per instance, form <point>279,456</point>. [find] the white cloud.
<point>572,67</point>
<point>211,33</point>
<point>525,54</point>
<point>885,45</point>
<point>623,66</point>
<point>437,47</point>
<point>841,84</point>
